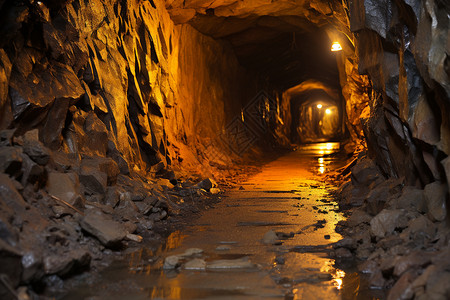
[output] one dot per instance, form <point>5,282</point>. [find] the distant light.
<point>319,106</point>
<point>321,170</point>
<point>328,111</point>
<point>336,46</point>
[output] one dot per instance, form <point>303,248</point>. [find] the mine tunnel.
<point>224,149</point>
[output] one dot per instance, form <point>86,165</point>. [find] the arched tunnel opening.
<point>224,149</point>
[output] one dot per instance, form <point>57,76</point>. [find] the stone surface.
<point>34,148</point>
<point>10,259</point>
<point>386,222</point>
<point>11,160</point>
<point>270,238</point>
<point>109,232</point>
<point>32,172</point>
<point>411,197</point>
<point>207,184</point>
<point>67,263</point>
<point>65,186</point>
<point>436,197</point>
<point>10,196</point>
<point>171,262</point>
<point>93,178</point>
<point>227,264</point>
<point>195,264</point>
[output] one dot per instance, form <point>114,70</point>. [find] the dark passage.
<point>224,149</point>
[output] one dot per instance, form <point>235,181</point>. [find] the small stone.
<point>223,248</point>
<point>377,280</point>
<point>35,149</point>
<point>343,253</point>
<point>280,260</point>
<point>195,264</point>
<point>106,230</point>
<point>171,262</point>
<point>385,222</point>
<point>192,252</point>
<point>22,293</point>
<point>134,237</point>
<point>214,191</point>
<point>68,263</point>
<point>347,242</point>
<point>207,184</point>
<point>270,238</point>
<point>402,288</point>
<point>241,263</point>
<point>11,161</point>
<point>358,217</point>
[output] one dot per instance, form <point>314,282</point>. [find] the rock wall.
<point>401,99</point>
<point>111,77</point>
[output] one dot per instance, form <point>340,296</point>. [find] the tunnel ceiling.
<point>284,41</point>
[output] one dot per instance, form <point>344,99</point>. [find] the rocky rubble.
<point>398,234</point>
<point>61,214</point>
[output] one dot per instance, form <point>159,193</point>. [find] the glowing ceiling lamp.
<point>319,106</point>
<point>328,111</point>
<point>336,46</point>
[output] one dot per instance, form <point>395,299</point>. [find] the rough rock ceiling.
<point>284,41</point>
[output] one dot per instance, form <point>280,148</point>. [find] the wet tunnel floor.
<point>288,197</point>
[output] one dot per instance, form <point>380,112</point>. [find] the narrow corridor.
<point>269,238</point>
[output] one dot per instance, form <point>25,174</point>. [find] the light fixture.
<point>328,111</point>
<point>319,106</point>
<point>336,46</point>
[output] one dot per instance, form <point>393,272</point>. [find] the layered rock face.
<point>110,76</point>
<point>404,47</point>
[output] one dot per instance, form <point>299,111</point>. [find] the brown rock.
<point>376,280</point>
<point>414,260</point>
<point>93,179</point>
<point>358,216</point>
<point>109,232</point>
<point>67,263</point>
<point>365,172</point>
<point>10,196</point>
<point>411,197</point>
<point>436,195</point>
<point>11,161</point>
<point>343,253</point>
<point>32,172</point>
<point>386,222</point>
<point>35,149</point>
<point>207,184</point>
<point>437,286</point>
<point>402,288</point>
<point>65,186</point>
<point>10,260</point>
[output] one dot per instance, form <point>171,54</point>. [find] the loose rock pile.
<point>61,214</point>
<point>398,233</point>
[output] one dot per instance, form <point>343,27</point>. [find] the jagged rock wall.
<point>403,47</point>
<point>105,76</point>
